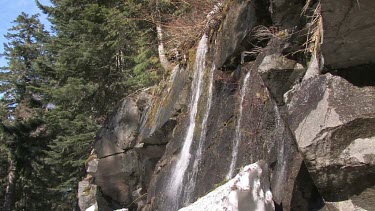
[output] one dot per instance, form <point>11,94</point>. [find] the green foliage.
<point>25,142</point>
<point>22,50</point>
<point>58,89</point>
<point>67,153</point>
<point>3,167</point>
<point>106,44</point>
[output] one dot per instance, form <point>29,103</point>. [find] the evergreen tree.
<point>23,137</point>
<point>59,88</point>
<point>102,51</point>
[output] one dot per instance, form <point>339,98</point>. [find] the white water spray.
<point>202,139</point>
<point>238,133</point>
<point>179,170</point>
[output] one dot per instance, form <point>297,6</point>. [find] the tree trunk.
<point>162,57</point>
<point>11,186</point>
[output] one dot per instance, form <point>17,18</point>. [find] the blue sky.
<point>9,10</point>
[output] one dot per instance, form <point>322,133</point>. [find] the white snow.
<point>249,190</point>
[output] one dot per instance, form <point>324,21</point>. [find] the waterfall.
<point>238,133</point>
<point>198,156</point>
<point>179,170</point>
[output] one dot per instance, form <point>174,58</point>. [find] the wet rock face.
<point>216,153</point>
<point>132,141</point>
<point>171,102</point>
<point>348,26</point>
<point>267,137</point>
<point>329,119</point>
<point>264,136</point>
<point>333,122</point>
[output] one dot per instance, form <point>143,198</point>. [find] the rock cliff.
<point>289,84</point>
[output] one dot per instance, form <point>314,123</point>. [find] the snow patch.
<point>249,190</point>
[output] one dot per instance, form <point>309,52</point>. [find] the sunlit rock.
<point>248,190</point>
<point>334,125</point>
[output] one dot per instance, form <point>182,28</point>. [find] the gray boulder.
<point>334,124</point>
<point>118,175</point>
<point>348,32</point>
<point>119,133</point>
<point>280,74</point>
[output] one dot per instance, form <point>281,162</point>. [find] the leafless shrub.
<point>264,33</point>
<point>258,36</point>
<point>186,27</point>
<point>314,28</point>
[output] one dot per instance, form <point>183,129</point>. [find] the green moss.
<point>221,183</point>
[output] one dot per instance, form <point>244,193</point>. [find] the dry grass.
<point>315,31</point>
<point>264,33</point>
<point>259,35</point>
<point>306,6</point>
<point>186,28</point>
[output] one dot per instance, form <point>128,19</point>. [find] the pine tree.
<point>59,88</point>
<point>22,133</point>
<point>100,43</point>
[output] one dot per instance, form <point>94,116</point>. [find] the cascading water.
<point>179,170</point>
<point>280,129</point>
<point>238,133</point>
<point>198,156</point>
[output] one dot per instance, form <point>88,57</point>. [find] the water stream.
<point>189,190</point>
<point>238,132</point>
<point>179,170</point>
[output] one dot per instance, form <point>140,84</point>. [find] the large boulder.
<point>334,124</point>
<point>118,176</point>
<point>120,130</point>
<point>348,27</point>
<point>280,74</point>
<point>265,136</point>
<point>119,169</point>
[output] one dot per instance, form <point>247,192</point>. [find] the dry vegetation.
<point>315,27</point>
<point>183,28</point>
